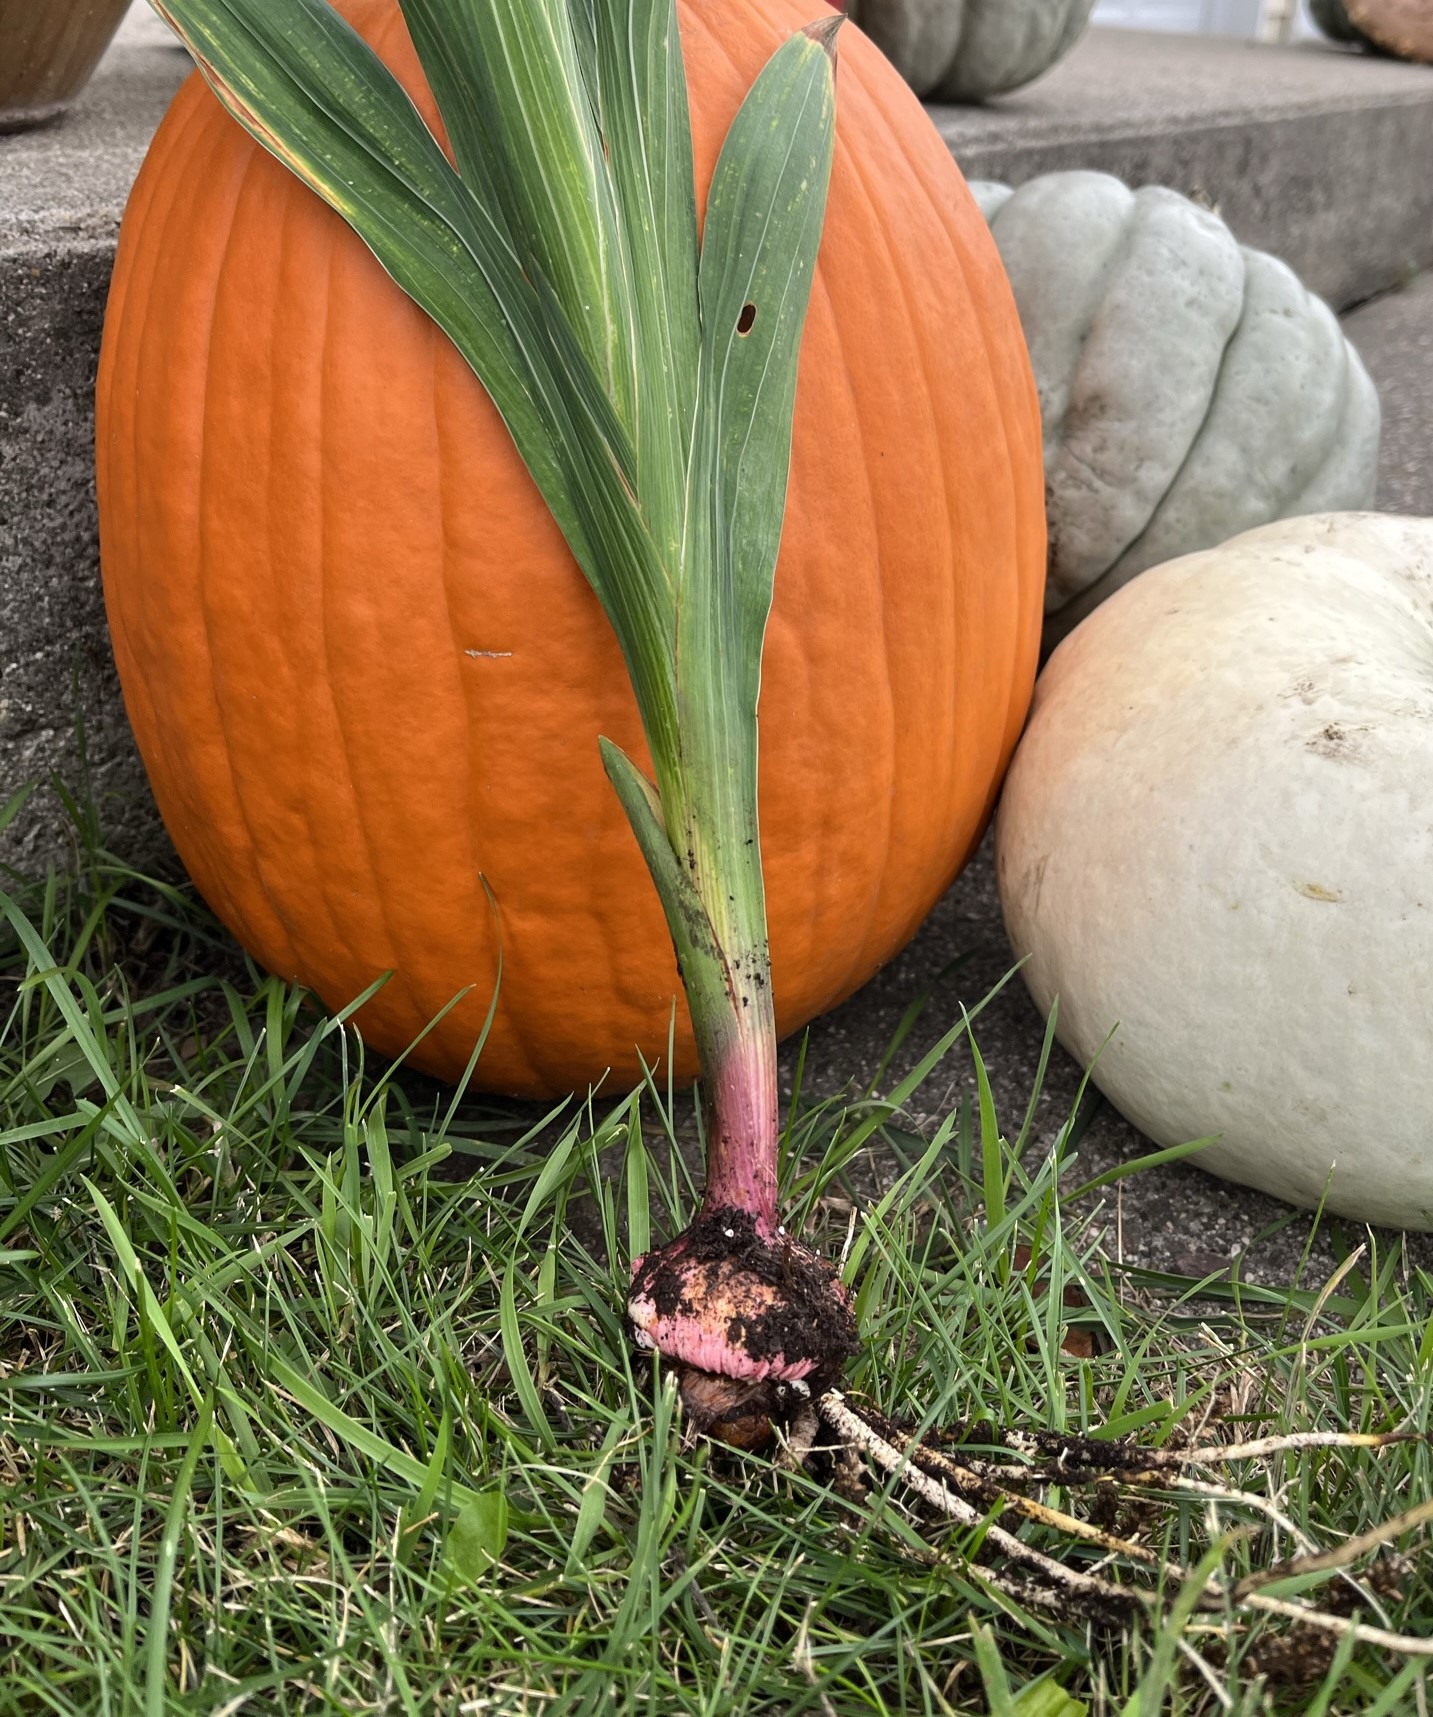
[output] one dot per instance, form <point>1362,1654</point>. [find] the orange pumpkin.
<point>365,674</point>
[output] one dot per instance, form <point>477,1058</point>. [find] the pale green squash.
<point>1214,849</point>
<point>966,50</point>
<point>1190,388</point>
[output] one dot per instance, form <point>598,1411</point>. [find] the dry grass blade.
<point>1341,1555</point>
<point>1409,1645</point>
<point>1071,1582</point>
<point>1216,1454</point>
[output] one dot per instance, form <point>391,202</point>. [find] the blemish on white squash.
<point>1317,891</point>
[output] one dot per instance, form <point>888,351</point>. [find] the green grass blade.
<point>992,1157</point>
<point>15,804</point>
<point>1148,1698</point>
<point>639,1196</point>
<point>992,1671</point>
<point>416,1515</point>
<point>56,984</point>
<point>516,1355</point>
<point>156,1681</point>
<point>398,1462</point>
<point>1137,1165</point>
<point>592,1510</point>
<point>555,1170</point>
<point>138,1283</point>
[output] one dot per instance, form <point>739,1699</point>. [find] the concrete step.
<point>1321,156</point>
<point>1394,335</point>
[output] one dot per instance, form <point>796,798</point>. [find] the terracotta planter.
<point>48,48</point>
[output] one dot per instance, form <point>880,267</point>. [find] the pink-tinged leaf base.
<point>740,1093</point>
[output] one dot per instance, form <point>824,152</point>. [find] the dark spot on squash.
<point>747,320</point>
<point>1336,741</point>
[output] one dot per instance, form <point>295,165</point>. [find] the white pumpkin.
<point>1190,388</point>
<point>966,50</point>
<point>1216,843</point>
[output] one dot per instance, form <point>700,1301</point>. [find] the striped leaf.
<point>648,387</point>
<point>307,87</point>
<point>641,96</point>
<point>763,228</point>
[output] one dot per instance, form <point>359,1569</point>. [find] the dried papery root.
<point>897,1453</point>
<point>972,1495</point>
<point>1340,1556</point>
<point>1071,1582</point>
<point>1053,1457</point>
<point>1295,1442</point>
<point>993,1496</point>
<point>800,1438</point>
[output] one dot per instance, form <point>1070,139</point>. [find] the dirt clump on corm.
<point>757,1324</point>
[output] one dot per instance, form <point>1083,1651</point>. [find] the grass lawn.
<point>315,1395</point>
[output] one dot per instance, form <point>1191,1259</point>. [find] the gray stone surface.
<point>1319,154</point>
<point>67,183</point>
<point>62,191</point>
<point>1394,334</point>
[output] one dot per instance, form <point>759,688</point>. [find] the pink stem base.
<point>742,1132</point>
